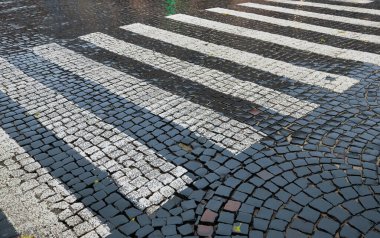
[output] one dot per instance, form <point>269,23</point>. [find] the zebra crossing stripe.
<point>16,9</point>
<point>299,25</point>
<point>354,1</point>
<point>219,81</point>
<point>348,20</point>
<point>281,40</point>
<point>329,6</point>
<point>168,106</point>
<point>37,95</point>
<point>334,82</point>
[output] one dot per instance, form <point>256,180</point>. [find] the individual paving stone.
<point>339,213</point>
<point>209,216</point>
<point>309,214</point>
<point>239,196</point>
<point>295,233</point>
<point>189,215</point>
<point>372,215</point>
<point>283,196</point>
<point>158,222</point>
<point>262,194</point>
<point>176,211</point>
<point>109,211</point>
<point>214,205</point>
<point>246,208</point>
<point>174,220</point>
<point>246,188</point>
<point>327,187</point>
<point>203,230</point>
<point>305,227</point>
<point>130,228</point>
<point>275,234</point>
<point>334,198</point>
<point>133,212</point>
<point>273,203</point>
<point>260,224</point>
<point>321,234</point>
<point>232,206</point>
<point>155,234</point>
<point>224,229</point>
<point>353,207</point>
<point>169,230</point>
<point>242,174</point>
<point>119,220</point>
<point>360,223</point>
<point>348,193</point>
<point>265,213</point>
<point>265,175</point>
<point>144,220</point>
<point>293,189</point>
<point>244,217</point>
<point>240,228</point>
<point>277,224</point>
<point>349,232</point>
<point>373,234</point>
<point>368,202</point>
<point>256,234</point>
<point>271,187</point>
<point>253,168</point>
<point>223,191</point>
<point>226,217</point>
<point>320,205</point>
<point>144,231</point>
<point>285,215</point>
<point>190,204</point>
<point>186,229</point>
<point>302,199</point>
<point>328,225</point>
<point>313,192</point>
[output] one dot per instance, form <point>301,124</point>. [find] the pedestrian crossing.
<point>299,25</point>
<point>334,82</point>
<point>152,107</point>
<point>225,83</point>
<point>182,112</point>
<point>281,40</point>
<point>40,99</point>
<point>329,6</point>
<point>335,18</point>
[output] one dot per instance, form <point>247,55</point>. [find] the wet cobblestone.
<point>121,122</point>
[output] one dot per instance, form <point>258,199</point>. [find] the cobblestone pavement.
<point>197,118</point>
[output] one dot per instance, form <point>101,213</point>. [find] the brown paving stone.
<point>255,112</point>
<point>205,230</point>
<point>232,206</point>
<point>209,216</point>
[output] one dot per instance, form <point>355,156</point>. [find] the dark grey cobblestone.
<point>118,158</point>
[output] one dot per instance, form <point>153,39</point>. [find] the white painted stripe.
<point>16,9</point>
<point>348,20</point>
<point>219,81</point>
<point>329,6</point>
<point>40,100</point>
<point>329,81</point>
<point>299,25</point>
<point>159,102</point>
<point>354,1</point>
<point>327,50</point>
<point>6,2</point>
